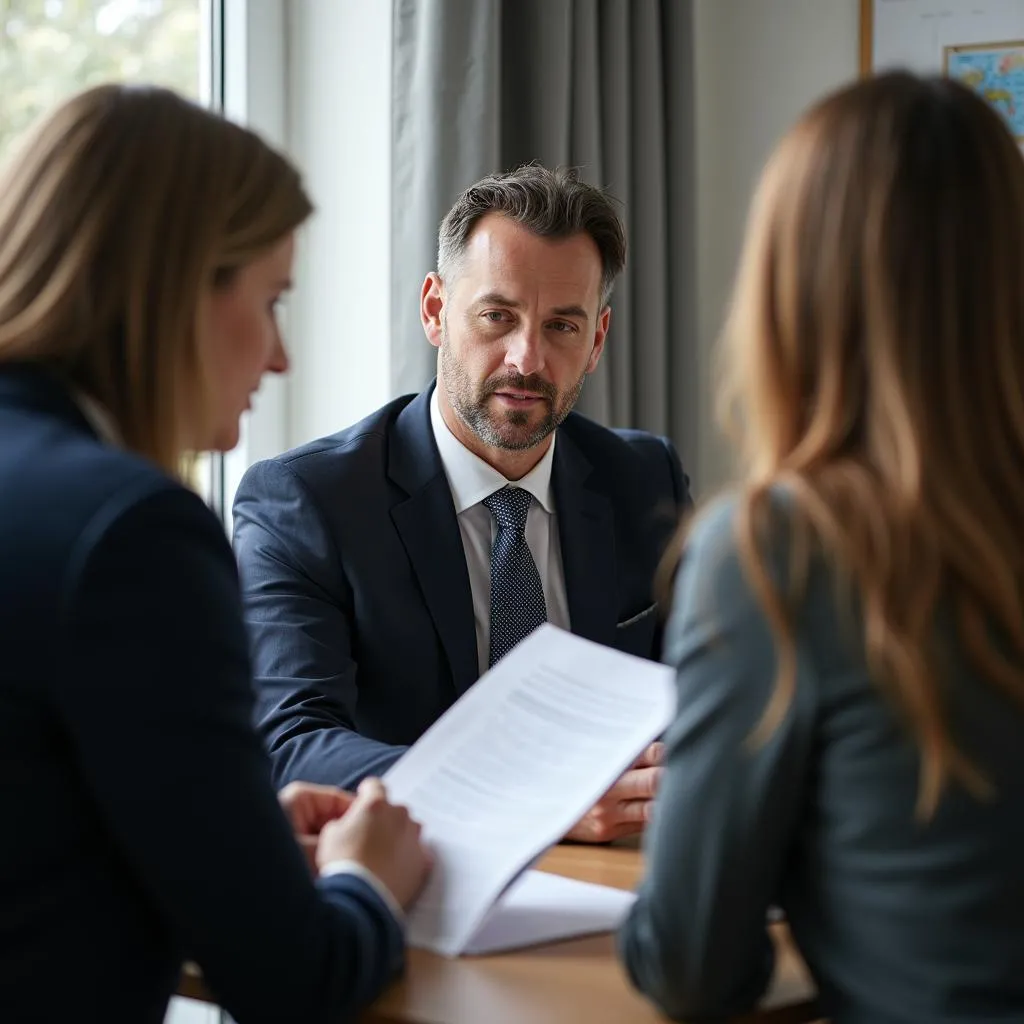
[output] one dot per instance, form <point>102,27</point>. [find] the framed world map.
<point>977,42</point>
<point>996,72</point>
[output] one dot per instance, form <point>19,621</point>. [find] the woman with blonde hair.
<point>848,627</point>
<point>144,245</point>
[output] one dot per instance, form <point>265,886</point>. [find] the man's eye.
<point>562,326</point>
<point>495,316</point>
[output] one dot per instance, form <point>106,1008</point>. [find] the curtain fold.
<point>602,85</point>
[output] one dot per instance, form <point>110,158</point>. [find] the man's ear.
<point>432,307</point>
<point>603,321</point>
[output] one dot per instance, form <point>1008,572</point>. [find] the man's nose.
<point>525,351</point>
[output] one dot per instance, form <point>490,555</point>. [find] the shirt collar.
<point>471,479</point>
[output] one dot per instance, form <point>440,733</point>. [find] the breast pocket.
<point>636,634</point>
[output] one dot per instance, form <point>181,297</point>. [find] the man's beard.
<point>509,430</point>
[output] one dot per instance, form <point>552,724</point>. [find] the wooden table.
<point>568,982</point>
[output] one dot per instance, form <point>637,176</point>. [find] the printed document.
<point>511,767</point>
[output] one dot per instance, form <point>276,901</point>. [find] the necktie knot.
<point>510,507</point>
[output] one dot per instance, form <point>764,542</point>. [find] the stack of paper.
<point>539,907</point>
<point>505,774</point>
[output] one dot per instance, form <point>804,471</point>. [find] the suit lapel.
<point>429,530</point>
<point>586,531</point>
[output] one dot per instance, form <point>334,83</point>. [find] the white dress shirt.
<point>471,480</point>
<point>353,867</point>
<point>98,418</point>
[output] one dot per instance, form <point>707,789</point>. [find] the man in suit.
<point>387,566</point>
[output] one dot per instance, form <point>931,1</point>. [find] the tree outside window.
<point>50,49</point>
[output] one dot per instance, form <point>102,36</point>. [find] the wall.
<point>339,132</point>
<point>758,64</point>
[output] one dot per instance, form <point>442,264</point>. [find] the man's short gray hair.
<point>551,204</point>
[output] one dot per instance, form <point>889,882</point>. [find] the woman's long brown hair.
<point>874,354</point>
<point>122,211</point>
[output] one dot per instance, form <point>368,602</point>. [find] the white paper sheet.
<point>515,763</point>
<point>541,907</point>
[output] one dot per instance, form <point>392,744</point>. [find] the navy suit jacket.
<point>140,825</point>
<point>357,592</point>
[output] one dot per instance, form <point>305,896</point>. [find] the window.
<point>52,48</point>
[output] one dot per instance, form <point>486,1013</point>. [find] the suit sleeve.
<point>681,504</point>
<point>680,480</point>
<point>696,942</point>
<point>299,612</point>
<point>155,699</point>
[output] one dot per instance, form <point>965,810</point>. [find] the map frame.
<point>1011,45</point>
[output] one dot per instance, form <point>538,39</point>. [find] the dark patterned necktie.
<point>517,597</point>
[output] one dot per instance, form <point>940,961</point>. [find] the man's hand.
<point>626,807</point>
<point>309,808</point>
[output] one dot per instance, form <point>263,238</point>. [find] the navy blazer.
<point>140,825</point>
<point>357,592</point>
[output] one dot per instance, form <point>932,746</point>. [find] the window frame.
<point>247,82</point>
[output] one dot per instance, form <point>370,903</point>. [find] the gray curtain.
<point>602,85</point>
